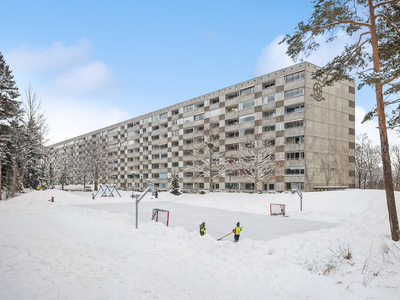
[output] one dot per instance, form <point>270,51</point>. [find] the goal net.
<point>277,209</point>
<point>160,215</point>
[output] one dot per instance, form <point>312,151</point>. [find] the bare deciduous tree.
<point>257,162</point>
<point>209,161</point>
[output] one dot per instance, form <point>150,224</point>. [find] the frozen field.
<point>219,222</point>
<point>78,248</point>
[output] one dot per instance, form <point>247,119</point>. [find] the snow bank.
<point>63,251</point>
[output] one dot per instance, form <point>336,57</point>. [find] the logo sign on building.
<point>317,92</point>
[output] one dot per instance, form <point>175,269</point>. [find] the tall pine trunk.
<point>387,169</point>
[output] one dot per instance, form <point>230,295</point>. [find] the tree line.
<point>23,130</point>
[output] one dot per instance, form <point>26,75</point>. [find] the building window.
<point>163,176</point>
<point>199,105</point>
<point>113,130</point>
<point>163,116</point>
<point>175,133</point>
<point>247,104</point>
<point>232,96</point>
<point>188,174</point>
<point>154,128</point>
<point>248,131</point>
<point>231,122</point>
<point>294,171</point>
<point>188,131</point>
<point>294,109</point>
<point>145,121</point>
<point>269,128</point>
<point>174,122</point>
<point>175,164</point>
<point>232,135</point>
<point>155,166</point>
<point>249,186</point>
<point>188,119</point>
<point>247,91</point>
<point>294,93</point>
<point>214,101</point>
<point>175,143</point>
<point>231,109</point>
<point>247,118</point>
<point>131,133</point>
<point>188,152</point>
<point>295,140</point>
<point>164,155</point>
<point>188,108</point>
<point>295,156</point>
<point>232,185</point>
<point>294,124</point>
<point>269,99</point>
<point>232,147</point>
<point>269,114</point>
<point>295,185</point>
<point>214,113</point>
<point>269,85</point>
<point>199,117</point>
<point>294,77</point>
<point>175,112</point>
<point>188,185</point>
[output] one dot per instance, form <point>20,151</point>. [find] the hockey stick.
<point>224,236</point>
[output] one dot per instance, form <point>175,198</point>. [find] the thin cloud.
<point>68,121</point>
<point>273,56</point>
<point>82,80</point>
<point>56,58</point>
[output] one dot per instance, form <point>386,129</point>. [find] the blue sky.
<point>95,63</point>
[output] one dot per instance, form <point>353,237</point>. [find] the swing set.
<point>107,190</point>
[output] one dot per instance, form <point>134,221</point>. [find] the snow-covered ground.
<point>79,248</point>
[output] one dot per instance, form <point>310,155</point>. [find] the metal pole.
<point>137,208</point>
<point>301,202</point>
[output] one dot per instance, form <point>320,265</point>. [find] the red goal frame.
<point>282,209</point>
<point>154,216</point>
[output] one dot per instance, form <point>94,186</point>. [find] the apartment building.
<point>313,128</point>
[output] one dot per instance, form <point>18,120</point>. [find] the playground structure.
<point>107,190</point>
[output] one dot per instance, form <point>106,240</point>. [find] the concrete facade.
<point>313,128</point>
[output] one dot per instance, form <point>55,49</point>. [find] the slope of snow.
<point>79,248</point>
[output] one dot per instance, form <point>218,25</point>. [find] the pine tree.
<point>375,56</point>
<point>175,185</point>
<point>9,109</point>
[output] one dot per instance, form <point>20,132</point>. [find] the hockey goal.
<point>160,215</point>
<point>277,209</point>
